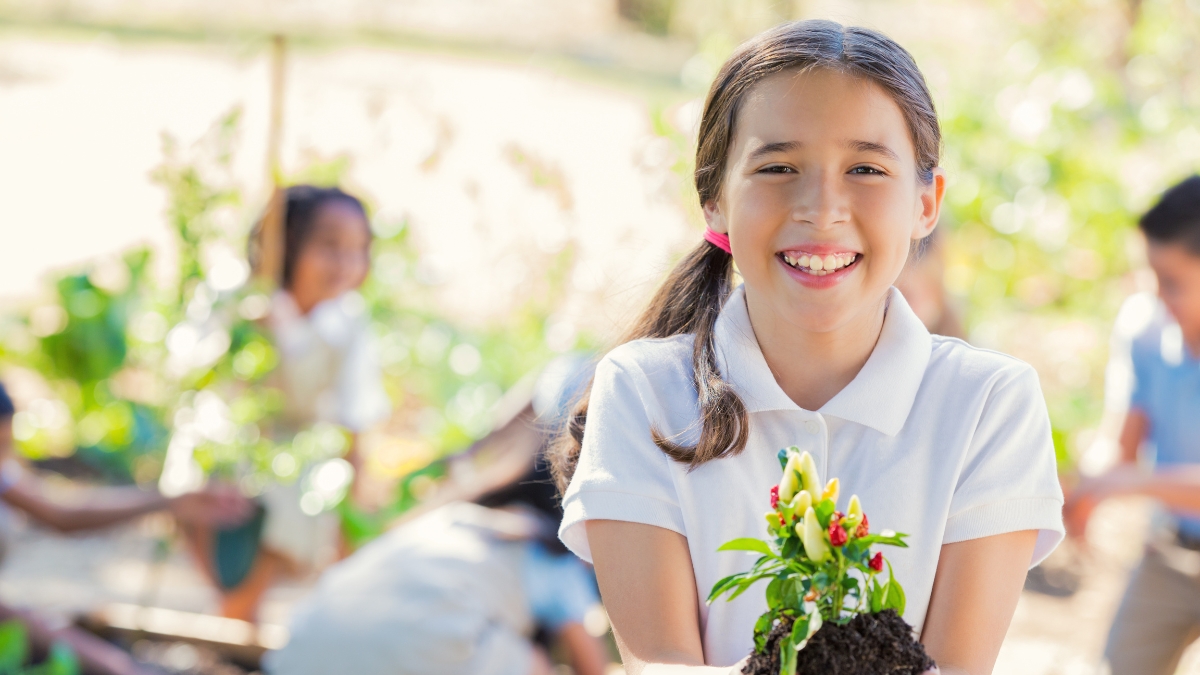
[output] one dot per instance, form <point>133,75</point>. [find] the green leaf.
<point>773,592</point>
<point>742,586</point>
<point>824,509</point>
<point>14,646</point>
<point>763,625</point>
<point>895,597</point>
<point>791,547</point>
<point>723,585</point>
<point>747,544</point>
<point>878,596</point>
<point>799,631</point>
<point>895,593</point>
<point>787,658</point>
<point>61,661</point>
<point>793,593</point>
<point>894,540</point>
<point>782,455</point>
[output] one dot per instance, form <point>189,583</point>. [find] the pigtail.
<point>688,302</point>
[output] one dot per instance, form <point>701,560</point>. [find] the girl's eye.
<point>866,171</point>
<point>777,168</point>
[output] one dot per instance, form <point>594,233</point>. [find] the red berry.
<point>837,535</point>
<point>863,528</point>
<point>774,496</point>
<point>877,562</point>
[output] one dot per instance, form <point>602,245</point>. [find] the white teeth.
<point>820,266</point>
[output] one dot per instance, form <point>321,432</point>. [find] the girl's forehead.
<point>820,106</point>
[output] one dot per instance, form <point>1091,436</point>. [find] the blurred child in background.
<point>469,583</point>
<point>1160,613</point>
<point>328,372</point>
<point>22,490</point>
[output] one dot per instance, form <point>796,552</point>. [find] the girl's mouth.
<point>819,265</point>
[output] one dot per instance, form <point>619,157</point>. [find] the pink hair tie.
<point>719,240</point>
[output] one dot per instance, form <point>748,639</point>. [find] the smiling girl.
<point>817,170</point>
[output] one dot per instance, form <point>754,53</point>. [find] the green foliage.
<point>194,199</point>
<point>818,562</point>
<point>14,646</point>
<point>14,653</point>
<point>134,364</point>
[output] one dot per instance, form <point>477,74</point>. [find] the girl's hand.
<point>218,505</point>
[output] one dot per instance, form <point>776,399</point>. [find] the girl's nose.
<point>819,201</point>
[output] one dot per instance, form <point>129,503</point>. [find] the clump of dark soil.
<point>869,644</point>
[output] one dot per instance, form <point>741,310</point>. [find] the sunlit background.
<point>526,164</point>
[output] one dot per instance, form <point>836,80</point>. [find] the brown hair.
<point>692,295</point>
<point>301,205</point>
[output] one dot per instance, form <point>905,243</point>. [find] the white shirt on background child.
<point>940,440</point>
<point>328,372</point>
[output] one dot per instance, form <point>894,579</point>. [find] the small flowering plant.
<point>818,560</point>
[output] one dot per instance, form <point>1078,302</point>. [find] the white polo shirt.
<point>940,440</point>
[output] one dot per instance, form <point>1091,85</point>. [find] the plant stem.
<point>838,592</point>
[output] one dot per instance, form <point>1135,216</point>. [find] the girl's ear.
<point>714,218</point>
<point>930,204</point>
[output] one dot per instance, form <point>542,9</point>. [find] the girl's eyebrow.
<point>869,146</point>
<point>788,146</point>
<point>772,148</point>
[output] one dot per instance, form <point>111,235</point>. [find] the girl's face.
<point>335,258</point>
<point>822,198</point>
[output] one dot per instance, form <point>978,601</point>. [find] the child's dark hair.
<point>6,405</point>
<point>1175,219</point>
<point>301,204</point>
<point>690,299</point>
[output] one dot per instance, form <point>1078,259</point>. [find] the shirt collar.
<point>880,396</point>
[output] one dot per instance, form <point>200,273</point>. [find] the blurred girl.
<point>328,372</point>
<point>816,168</point>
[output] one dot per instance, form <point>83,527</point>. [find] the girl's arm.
<point>222,506</point>
<point>974,596</point>
<point>649,589</point>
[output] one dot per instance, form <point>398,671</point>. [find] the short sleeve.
<point>362,401</point>
<point>621,474</point>
<point>1009,480</point>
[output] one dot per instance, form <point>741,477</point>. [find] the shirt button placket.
<point>814,428</point>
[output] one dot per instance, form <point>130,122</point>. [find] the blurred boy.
<point>1160,613</point>
<point>22,490</point>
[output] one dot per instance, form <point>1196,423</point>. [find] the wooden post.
<point>271,244</point>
